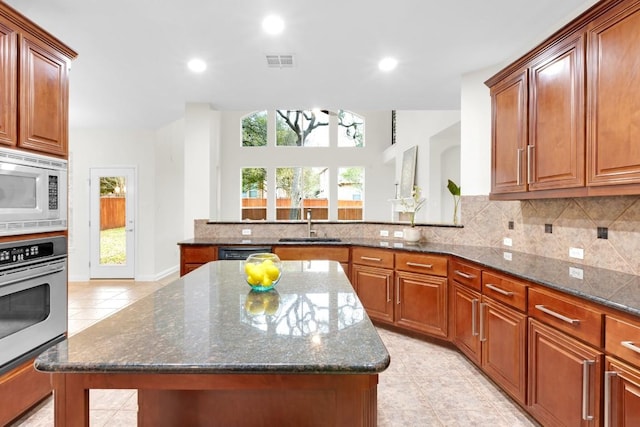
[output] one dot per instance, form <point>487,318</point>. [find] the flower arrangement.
<point>412,205</point>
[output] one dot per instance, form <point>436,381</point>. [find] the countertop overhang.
<point>203,323</point>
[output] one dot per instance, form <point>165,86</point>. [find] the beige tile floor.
<point>426,384</point>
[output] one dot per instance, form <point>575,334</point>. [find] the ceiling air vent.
<point>280,61</point>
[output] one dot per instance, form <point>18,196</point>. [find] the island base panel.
<point>223,400</point>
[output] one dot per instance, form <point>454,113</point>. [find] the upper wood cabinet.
<point>614,97</point>
<point>509,133</point>
<point>8,85</point>
<point>34,86</point>
<point>578,134</point>
<point>44,98</point>
<point>538,122</point>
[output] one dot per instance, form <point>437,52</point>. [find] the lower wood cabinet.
<point>374,287</point>
<point>565,378</point>
<point>421,303</point>
<point>193,256</point>
<point>21,389</point>
<point>298,252</point>
<point>621,394</point>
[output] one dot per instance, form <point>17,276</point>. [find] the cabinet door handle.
<point>569,320</point>
<point>415,264</point>
<point>398,290</point>
<point>586,379</point>
<point>519,166</point>
<point>483,336</point>
<point>529,160</point>
<point>368,258</point>
<point>498,290</point>
<point>608,378</point>
<point>630,345</point>
<point>474,317</point>
<point>465,275</point>
<point>388,292</point>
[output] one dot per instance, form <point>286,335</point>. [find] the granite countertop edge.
<point>525,266</point>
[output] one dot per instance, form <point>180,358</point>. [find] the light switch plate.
<point>507,241</point>
<point>384,233</point>
<point>246,232</point>
<point>577,253</point>
<point>398,234</point>
<point>508,256</point>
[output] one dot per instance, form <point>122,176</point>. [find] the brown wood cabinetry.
<point>564,378</point>
<point>622,372</point>
<point>20,389</point>
<point>614,97</point>
<point>193,256</point>
<point>331,253</point>
<point>372,278</point>
<point>577,133</point>
<point>34,86</point>
<point>421,299</point>
<point>8,85</point>
<point>490,327</point>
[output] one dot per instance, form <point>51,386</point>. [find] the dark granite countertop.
<point>209,321</point>
<point>613,289</point>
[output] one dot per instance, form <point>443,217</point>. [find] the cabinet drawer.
<point>199,253</point>
<point>372,257</point>
<point>466,274</point>
<point>571,315</point>
<point>331,253</point>
<point>418,263</point>
<point>622,339</point>
<point>505,289</point>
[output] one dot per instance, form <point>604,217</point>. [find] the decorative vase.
<point>411,235</point>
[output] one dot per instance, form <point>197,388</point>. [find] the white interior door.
<point>112,223</point>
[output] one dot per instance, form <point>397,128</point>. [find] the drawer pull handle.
<point>630,345</point>
<point>368,258</point>
<point>465,275</point>
<point>569,320</point>
<point>498,290</point>
<point>416,264</point>
<point>586,380</point>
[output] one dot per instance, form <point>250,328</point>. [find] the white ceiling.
<point>131,70</point>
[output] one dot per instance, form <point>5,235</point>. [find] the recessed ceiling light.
<point>197,65</point>
<point>387,64</point>
<point>273,24</point>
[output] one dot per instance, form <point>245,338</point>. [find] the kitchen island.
<point>205,350</point>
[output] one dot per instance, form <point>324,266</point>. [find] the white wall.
<point>475,175</point>
<point>93,148</point>
<point>379,178</point>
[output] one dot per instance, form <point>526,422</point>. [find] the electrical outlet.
<point>576,273</point>
<point>576,253</point>
<point>384,233</point>
<point>246,232</point>
<point>399,234</point>
<point>507,241</point>
<point>508,256</point>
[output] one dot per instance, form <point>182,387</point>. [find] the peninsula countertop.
<point>614,289</point>
<point>210,322</point>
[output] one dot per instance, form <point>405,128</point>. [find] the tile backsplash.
<point>548,227</point>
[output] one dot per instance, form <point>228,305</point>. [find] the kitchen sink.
<point>309,239</point>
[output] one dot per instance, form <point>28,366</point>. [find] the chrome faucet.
<point>309,230</point>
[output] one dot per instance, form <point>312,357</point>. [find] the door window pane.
<point>299,189</point>
<point>350,193</point>
<point>254,193</point>
<point>302,128</point>
<point>113,240</point>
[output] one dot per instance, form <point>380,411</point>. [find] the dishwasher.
<point>240,252</point>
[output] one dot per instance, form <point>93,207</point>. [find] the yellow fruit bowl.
<point>263,271</point>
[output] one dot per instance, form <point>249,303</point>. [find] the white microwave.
<point>33,193</point>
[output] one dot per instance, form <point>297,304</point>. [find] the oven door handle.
<point>41,271</point>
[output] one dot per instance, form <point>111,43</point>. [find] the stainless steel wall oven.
<point>33,297</point>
